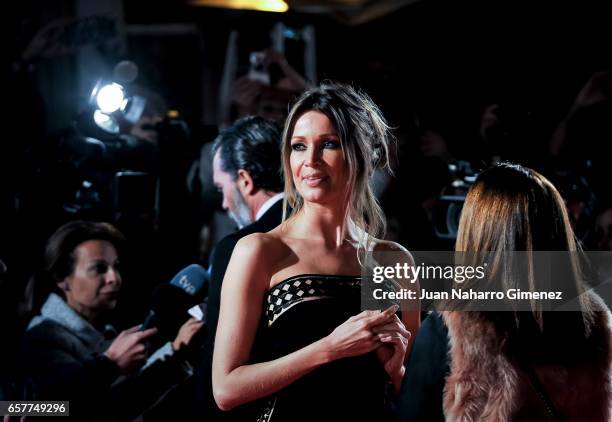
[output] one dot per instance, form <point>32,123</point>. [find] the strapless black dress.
<point>299,311</point>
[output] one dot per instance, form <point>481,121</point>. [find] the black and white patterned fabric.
<point>299,288</point>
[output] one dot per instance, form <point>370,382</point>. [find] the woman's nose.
<point>313,157</point>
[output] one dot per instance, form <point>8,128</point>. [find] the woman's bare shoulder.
<point>381,245</point>
<point>394,248</point>
<point>269,245</point>
<point>253,260</point>
<point>257,242</point>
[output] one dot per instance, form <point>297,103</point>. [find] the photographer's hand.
<point>598,88</point>
<point>46,42</point>
<point>292,80</point>
<point>244,94</point>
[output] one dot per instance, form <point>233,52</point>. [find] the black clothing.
<point>299,311</point>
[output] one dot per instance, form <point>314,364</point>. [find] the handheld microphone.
<point>170,302</point>
<point>191,279</point>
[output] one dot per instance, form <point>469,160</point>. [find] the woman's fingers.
<point>393,334</point>
<point>374,318</point>
<point>363,315</point>
<point>147,333</point>
<point>391,328</point>
<point>355,336</point>
<point>387,313</point>
<point>132,329</point>
<point>195,327</point>
<point>194,324</point>
<point>393,338</point>
<point>393,324</point>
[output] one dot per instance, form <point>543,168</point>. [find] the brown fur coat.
<point>487,384</point>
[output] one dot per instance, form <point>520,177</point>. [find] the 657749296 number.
<point>34,408</point>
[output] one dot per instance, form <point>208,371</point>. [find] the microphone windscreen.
<point>170,302</point>
<point>170,305</point>
<point>168,299</point>
<point>191,279</point>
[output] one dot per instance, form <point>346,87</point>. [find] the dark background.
<point>439,62</point>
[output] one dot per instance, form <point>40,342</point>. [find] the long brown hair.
<point>513,208</point>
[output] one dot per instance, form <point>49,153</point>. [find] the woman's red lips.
<point>314,179</point>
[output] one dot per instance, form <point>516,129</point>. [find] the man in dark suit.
<point>247,170</point>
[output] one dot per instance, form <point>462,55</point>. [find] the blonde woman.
<point>291,335</point>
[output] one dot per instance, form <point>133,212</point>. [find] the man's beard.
<point>241,213</point>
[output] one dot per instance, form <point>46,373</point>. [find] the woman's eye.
<point>298,147</point>
<point>101,268</point>
<point>331,144</point>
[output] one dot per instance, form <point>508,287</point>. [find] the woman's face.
<point>317,161</point>
<point>95,281</point>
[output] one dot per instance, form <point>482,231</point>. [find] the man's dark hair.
<point>252,143</point>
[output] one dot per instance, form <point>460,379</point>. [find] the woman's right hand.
<point>128,350</point>
<point>355,337</point>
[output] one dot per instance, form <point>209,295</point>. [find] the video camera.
<point>447,209</point>
<point>108,174</point>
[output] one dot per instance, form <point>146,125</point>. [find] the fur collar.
<point>56,310</point>
<point>487,384</point>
